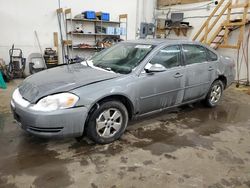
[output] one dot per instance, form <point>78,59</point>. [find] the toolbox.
<point>50,57</point>
<point>89,14</point>
<point>103,16</point>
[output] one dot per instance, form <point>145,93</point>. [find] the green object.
<point>2,82</point>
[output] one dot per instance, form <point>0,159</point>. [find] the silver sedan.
<point>129,80</point>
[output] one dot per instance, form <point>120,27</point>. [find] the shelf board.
<point>92,34</point>
<point>97,21</point>
<point>92,48</point>
<point>87,48</point>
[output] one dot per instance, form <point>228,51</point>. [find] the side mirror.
<point>155,68</point>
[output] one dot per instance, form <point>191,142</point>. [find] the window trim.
<point>184,56</point>
<point>212,52</point>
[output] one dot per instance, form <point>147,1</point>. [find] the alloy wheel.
<point>109,123</point>
<point>215,94</point>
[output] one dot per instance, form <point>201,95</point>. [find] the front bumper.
<point>60,123</point>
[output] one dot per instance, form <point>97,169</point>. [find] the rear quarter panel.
<point>226,67</point>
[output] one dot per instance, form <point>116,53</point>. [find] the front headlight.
<point>56,102</point>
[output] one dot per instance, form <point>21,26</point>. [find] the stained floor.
<point>192,146</point>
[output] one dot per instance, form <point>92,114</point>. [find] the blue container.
<point>103,16</point>
<point>123,31</point>
<point>117,31</point>
<point>89,14</point>
<point>110,31</point>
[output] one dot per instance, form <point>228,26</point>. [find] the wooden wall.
<point>163,3</point>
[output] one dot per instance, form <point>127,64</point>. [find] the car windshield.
<point>122,58</point>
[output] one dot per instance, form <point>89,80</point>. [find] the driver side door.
<point>159,90</point>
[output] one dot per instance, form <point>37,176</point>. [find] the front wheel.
<point>215,93</point>
<point>107,123</point>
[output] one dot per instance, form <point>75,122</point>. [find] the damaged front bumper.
<point>59,123</point>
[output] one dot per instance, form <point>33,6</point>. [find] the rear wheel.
<point>108,122</point>
<point>215,93</point>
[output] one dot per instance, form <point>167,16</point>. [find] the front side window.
<point>122,58</point>
<point>194,54</point>
<point>169,57</point>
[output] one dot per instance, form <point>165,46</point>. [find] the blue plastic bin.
<point>89,14</point>
<point>117,31</point>
<point>103,16</point>
<point>123,31</point>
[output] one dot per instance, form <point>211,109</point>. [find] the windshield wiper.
<point>105,68</point>
<point>87,63</point>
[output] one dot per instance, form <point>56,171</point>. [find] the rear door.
<point>199,72</point>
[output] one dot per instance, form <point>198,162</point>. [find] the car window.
<point>122,58</point>
<point>212,56</point>
<point>117,53</point>
<point>169,57</point>
<point>194,54</point>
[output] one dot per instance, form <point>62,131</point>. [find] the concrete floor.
<point>189,147</point>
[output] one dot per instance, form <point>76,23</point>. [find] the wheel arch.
<point>223,79</point>
<point>117,97</point>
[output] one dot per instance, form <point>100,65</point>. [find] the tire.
<point>215,94</point>
<point>107,123</point>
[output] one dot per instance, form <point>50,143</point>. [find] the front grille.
<point>45,129</point>
<point>17,117</point>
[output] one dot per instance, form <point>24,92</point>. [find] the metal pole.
<point>247,57</point>
<point>40,49</point>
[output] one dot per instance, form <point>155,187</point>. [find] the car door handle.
<point>210,68</point>
<point>178,75</point>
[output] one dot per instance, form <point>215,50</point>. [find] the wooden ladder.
<point>220,36</point>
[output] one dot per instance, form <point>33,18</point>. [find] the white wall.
<point>19,19</point>
<point>197,14</point>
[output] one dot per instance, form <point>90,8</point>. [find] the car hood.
<point>61,79</point>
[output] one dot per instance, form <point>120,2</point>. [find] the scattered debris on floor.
<point>245,89</point>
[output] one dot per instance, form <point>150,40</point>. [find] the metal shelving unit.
<point>90,48</point>
<point>89,20</point>
<point>93,34</point>
<point>72,35</point>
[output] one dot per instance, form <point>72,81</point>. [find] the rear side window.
<point>211,55</point>
<point>194,54</point>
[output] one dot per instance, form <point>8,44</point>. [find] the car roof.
<point>157,42</point>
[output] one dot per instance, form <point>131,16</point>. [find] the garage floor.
<point>189,147</point>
